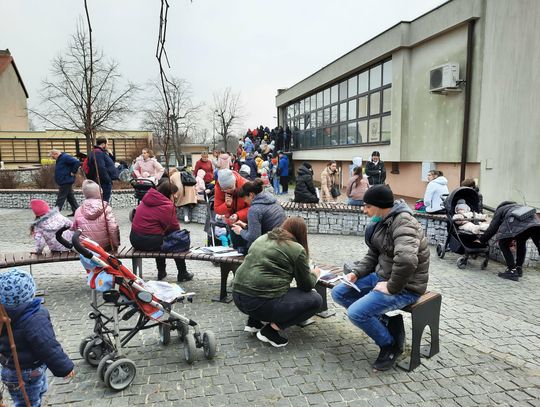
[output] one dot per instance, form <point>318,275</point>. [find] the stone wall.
<point>22,175</point>
<point>336,219</point>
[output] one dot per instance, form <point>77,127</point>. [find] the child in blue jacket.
<point>37,347</point>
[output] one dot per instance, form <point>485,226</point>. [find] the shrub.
<point>44,177</point>
<point>47,161</point>
<point>8,180</point>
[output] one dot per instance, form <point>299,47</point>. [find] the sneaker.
<point>253,326</point>
<point>509,274</point>
<point>186,276</point>
<point>387,357</point>
<point>519,271</point>
<point>186,218</point>
<point>271,336</point>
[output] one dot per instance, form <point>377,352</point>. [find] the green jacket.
<point>270,266</point>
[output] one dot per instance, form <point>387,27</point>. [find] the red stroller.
<point>128,295</point>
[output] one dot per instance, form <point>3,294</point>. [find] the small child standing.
<point>45,226</point>
<point>200,187</point>
<point>37,347</point>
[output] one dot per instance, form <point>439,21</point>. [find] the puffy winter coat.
<point>44,231</point>
<point>200,187</point>
<point>328,178</point>
<point>94,222</point>
<point>107,170</point>
<point>376,172</point>
<point>356,188</point>
<point>398,252</point>
<point>305,190</point>
<point>434,191</point>
<point>155,215</point>
<point>507,226</point>
<point>239,206</point>
<point>65,166</point>
<point>35,340</point>
<point>284,165</point>
<point>250,162</point>
<point>148,168</point>
<point>264,214</point>
<point>186,194</point>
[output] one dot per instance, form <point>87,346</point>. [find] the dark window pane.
<point>363,82</point>
<point>353,86</point>
<point>300,140</point>
<point>343,112</point>
<point>333,94</point>
<point>374,103</point>
<point>374,130</point>
<point>387,72</point>
<point>362,131</point>
<point>386,128</point>
<point>334,139</point>
<point>327,136</point>
<point>343,90</point>
<point>352,133</point>
<point>375,77</point>
<point>334,114</point>
<point>307,121</point>
<point>320,137</point>
<point>343,134</point>
<point>352,109</point>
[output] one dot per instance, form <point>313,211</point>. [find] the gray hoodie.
<point>264,214</point>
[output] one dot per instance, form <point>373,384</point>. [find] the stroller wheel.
<point>84,342</point>
<point>189,349</point>
<point>164,334</point>
<point>120,374</point>
<point>209,344</point>
<point>461,262</point>
<point>440,250</point>
<point>94,351</point>
<point>485,263</point>
<point>104,363</point>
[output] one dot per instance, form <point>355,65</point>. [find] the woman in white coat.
<point>436,188</point>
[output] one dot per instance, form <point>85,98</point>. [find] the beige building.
<point>13,95</point>
<point>456,90</point>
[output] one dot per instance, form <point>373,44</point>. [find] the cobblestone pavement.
<point>490,342</point>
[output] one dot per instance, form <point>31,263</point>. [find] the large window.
<point>356,110</point>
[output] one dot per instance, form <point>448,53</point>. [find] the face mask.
<point>376,219</point>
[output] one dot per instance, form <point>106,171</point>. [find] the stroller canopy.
<point>469,195</point>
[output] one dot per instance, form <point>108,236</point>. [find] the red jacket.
<point>207,167</point>
<point>239,206</point>
<point>155,215</point>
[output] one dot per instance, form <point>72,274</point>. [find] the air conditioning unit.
<point>444,78</point>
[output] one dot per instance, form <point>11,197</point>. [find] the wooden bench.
<point>424,312</point>
<point>226,264</point>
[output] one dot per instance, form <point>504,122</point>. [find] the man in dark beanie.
<point>392,275</point>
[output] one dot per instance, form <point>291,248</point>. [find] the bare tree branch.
<point>229,111</point>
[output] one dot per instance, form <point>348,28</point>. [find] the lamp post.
<point>214,127</point>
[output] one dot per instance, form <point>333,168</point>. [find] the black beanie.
<point>380,196</point>
<point>307,165</point>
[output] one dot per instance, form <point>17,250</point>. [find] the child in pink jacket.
<point>45,226</point>
<point>96,219</point>
<point>200,187</point>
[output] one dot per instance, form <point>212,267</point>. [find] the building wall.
<point>13,109</point>
<point>509,144</point>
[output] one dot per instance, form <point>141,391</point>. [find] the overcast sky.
<point>253,46</point>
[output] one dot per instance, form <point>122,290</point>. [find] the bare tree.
<point>228,111</point>
<point>84,94</point>
<point>179,114</point>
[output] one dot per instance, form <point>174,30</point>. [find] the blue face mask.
<point>376,219</point>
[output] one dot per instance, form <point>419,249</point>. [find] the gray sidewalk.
<point>490,342</point>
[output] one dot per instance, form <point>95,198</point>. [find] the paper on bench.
<point>328,276</point>
<point>233,253</point>
<point>216,249</point>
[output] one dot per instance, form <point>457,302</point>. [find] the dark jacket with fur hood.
<point>398,252</point>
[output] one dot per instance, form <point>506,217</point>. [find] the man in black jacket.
<point>105,166</point>
<point>64,176</point>
<point>375,170</point>
<point>305,190</point>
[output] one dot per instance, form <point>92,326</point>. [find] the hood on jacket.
<point>303,170</point>
<point>155,198</point>
<point>440,180</point>
<point>400,206</point>
<point>21,312</point>
<point>44,220</point>
<point>264,198</point>
<point>93,208</point>
<point>201,173</point>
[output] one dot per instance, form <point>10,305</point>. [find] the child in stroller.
<point>129,295</point>
<point>141,187</point>
<point>469,221</point>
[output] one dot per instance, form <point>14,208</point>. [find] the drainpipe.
<point>467,108</point>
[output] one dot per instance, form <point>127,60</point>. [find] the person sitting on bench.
<point>392,275</point>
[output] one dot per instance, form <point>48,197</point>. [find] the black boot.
<point>509,274</point>
<point>519,271</point>
<point>397,330</point>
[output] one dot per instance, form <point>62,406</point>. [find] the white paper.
<point>348,283</point>
<point>164,291</point>
<point>233,253</point>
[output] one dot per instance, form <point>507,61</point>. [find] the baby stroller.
<point>126,295</point>
<point>141,187</point>
<point>460,241</point>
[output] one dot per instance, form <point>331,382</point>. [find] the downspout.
<point>467,108</point>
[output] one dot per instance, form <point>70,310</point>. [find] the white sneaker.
<point>186,218</point>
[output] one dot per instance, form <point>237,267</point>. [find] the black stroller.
<point>141,187</point>
<point>460,241</point>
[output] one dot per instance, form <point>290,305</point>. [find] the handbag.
<point>335,191</point>
<point>187,178</point>
<point>523,213</point>
<point>176,242</point>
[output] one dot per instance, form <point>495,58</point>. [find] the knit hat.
<point>226,179</point>
<point>39,207</point>
<point>16,287</point>
<point>90,189</point>
<point>380,196</point>
<point>461,204</point>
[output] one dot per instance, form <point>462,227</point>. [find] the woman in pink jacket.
<point>148,167</point>
<point>96,219</point>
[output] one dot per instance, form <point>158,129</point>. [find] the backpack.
<point>176,242</point>
<point>188,180</point>
<point>86,167</point>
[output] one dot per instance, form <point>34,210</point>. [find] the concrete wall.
<point>13,109</point>
<point>509,144</point>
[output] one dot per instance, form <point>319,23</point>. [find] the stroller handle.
<point>79,247</point>
<point>61,239</point>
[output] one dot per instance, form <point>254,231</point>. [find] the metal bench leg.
<point>323,311</point>
<point>434,317</point>
<point>225,269</point>
<point>136,264</point>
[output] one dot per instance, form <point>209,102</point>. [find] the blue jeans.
<point>355,202</point>
<point>107,191</point>
<point>275,184</point>
<point>35,384</point>
<point>365,309</point>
